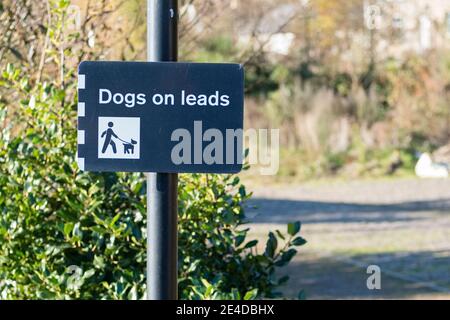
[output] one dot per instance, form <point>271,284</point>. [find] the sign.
<point>160,117</point>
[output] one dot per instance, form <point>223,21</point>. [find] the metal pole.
<point>162,197</point>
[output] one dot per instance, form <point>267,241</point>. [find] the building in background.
<point>401,26</point>
<point>269,33</point>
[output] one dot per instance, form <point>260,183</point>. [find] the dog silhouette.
<point>128,148</point>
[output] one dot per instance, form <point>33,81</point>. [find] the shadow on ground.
<point>331,278</point>
<point>261,210</point>
<point>401,226</point>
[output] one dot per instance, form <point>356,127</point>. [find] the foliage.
<point>66,234</point>
<point>210,218</point>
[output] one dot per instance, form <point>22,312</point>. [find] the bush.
<point>65,234</point>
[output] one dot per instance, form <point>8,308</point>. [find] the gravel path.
<point>403,226</point>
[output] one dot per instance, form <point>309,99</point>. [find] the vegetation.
<point>344,108</point>
<point>66,234</point>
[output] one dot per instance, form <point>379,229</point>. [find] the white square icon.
<point>119,138</point>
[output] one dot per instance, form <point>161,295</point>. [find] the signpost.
<point>162,188</point>
<point>161,117</point>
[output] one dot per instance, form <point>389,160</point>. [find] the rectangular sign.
<point>160,117</point>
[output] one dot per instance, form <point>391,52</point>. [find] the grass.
<point>296,166</point>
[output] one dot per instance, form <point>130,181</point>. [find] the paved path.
<point>401,225</point>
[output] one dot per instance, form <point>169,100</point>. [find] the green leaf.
<point>286,257</point>
<point>114,220</point>
<point>279,234</point>
<point>294,228</point>
<point>208,291</point>
<point>299,241</point>
<point>251,244</point>
<point>251,295</point>
<point>271,245</point>
<point>68,227</point>
<point>88,273</point>
<point>239,240</point>
<point>99,262</point>
<point>206,283</point>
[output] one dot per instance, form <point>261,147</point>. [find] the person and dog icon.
<point>108,140</point>
<point>128,147</point>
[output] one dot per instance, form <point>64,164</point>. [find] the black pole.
<point>162,196</point>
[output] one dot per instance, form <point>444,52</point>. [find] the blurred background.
<point>360,90</point>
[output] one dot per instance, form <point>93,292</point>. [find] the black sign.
<point>160,117</point>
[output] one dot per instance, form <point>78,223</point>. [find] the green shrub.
<point>65,234</point>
